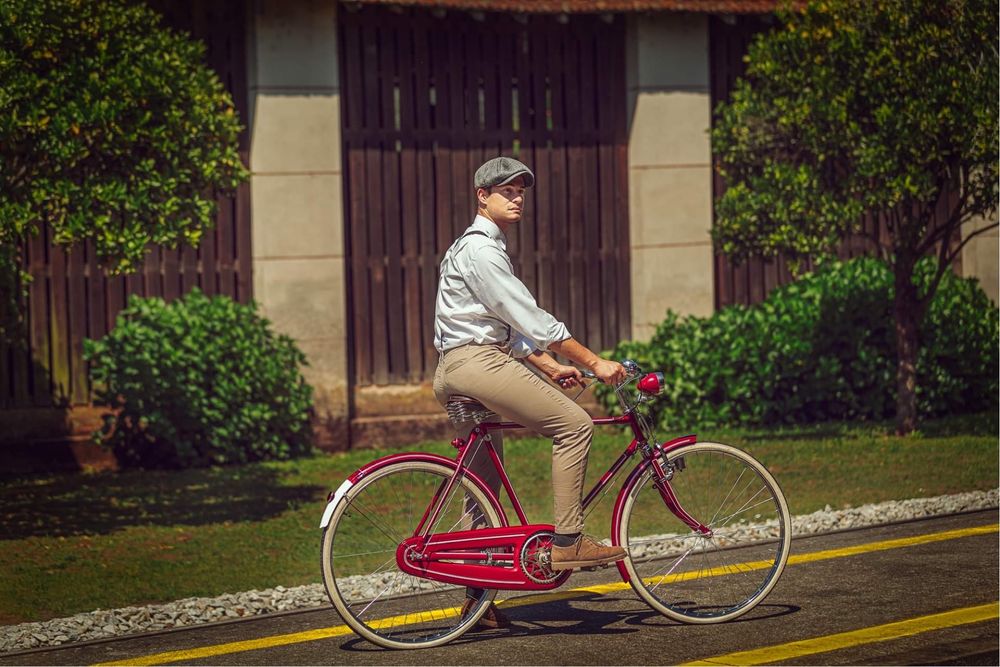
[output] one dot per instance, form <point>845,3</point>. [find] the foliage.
<point>858,106</point>
<point>197,382</point>
<point>853,107</point>
<point>822,348</point>
<point>112,130</point>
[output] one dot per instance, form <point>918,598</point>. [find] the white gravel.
<point>191,611</point>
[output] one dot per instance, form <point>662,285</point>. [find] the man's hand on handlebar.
<point>566,376</point>
<point>609,372</point>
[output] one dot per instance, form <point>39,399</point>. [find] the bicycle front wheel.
<point>374,597</point>
<point>697,578</point>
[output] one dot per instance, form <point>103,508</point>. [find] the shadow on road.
<point>566,618</point>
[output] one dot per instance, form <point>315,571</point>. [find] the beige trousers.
<point>506,386</point>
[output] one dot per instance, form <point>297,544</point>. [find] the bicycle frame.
<point>420,556</point>
<point>480,433</point>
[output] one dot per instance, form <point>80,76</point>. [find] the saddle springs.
<point>465,409</point>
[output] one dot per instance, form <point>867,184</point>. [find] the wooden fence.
<point>71,298</point>
<point>425,101</point>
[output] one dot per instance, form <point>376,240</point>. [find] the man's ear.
<point>482,194</point>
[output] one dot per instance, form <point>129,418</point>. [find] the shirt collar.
<point>484,224</point>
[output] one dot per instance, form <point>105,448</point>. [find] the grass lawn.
<point>72,543</point>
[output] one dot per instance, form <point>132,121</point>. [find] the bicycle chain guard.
<point>511,558</point>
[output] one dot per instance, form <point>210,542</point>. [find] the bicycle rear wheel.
<point>374,597</point>
<point>696,578</point>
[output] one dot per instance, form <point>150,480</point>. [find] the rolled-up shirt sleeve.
<point>520,345</point>
<point>492,280</point>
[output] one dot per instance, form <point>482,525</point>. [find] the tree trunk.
<point>906,311</point>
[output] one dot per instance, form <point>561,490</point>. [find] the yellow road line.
<point>879,633</point>
<point>603,589</point>
<point>234,647</point>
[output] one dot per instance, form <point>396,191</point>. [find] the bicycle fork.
<point>661,480</point>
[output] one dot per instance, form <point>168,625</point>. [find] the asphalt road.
<point>922,592</point>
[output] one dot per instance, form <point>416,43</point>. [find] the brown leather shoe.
<point>491,620</point>
<point>585,552</point>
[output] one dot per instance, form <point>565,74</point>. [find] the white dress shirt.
<point>480,300</point>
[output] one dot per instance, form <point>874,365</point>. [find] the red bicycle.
<point>705,525</point>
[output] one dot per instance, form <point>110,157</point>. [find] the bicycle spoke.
<point>377,524</point>
<point>726,499</point>
<point>745,508</point>
<point>363,553</point>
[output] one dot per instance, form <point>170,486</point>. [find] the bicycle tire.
<point>388,607</point>
<point>690,577</point>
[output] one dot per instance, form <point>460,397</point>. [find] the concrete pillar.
<point>670,172</point>
<point>981,256</point>
<point>296,193</point>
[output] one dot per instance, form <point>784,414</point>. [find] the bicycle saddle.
<point>464,409</point>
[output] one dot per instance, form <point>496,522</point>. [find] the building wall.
<point>670,174</point>
<point>981,257</point>
<point>296,193</point>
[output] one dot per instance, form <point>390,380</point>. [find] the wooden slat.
<point>97,309</point>
<point>590,231</point>
<point>171,265</point>
<point>444,58</point>
<point>39,335</point>
<point>622,246</point>
<point>151,278</point>
<point>21,358</point>
<point>607,116</point>
<point>395,326</point>
<point>244,252</point>
<point>58,317</point>
<point>424,117</point>
<point>413,323</point>
<point>224,221</point>
<point>208,270</point>
<point>375,214</point>
<point>528,239</point>
<point>576,203</point>
<point>77,311</point>
<point>558,173</point>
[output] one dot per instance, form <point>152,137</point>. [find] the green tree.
<point>112,130</point>
<point>853,107</point>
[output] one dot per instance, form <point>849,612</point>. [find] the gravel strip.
<point>192,611</point>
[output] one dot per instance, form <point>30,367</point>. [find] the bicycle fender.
<point>335,497</point>
<point>334,501</point>
<point>627,489</point>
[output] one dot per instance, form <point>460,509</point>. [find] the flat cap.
<point>500,171</point>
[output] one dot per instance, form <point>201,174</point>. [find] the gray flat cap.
<point>502,170</point>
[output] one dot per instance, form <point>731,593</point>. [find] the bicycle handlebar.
<point>632,370</point>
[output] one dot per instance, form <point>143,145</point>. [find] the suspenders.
<point>450,257</point>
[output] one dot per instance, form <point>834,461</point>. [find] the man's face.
<point>504,203</point>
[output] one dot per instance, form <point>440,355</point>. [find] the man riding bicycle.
<point>486,326</point>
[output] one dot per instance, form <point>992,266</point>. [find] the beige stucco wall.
<point>297,219</point>
<point>670,176</point>
<point>981,256</point>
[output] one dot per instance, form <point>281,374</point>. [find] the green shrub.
<point>199,382</point>
<point>821,348</point>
